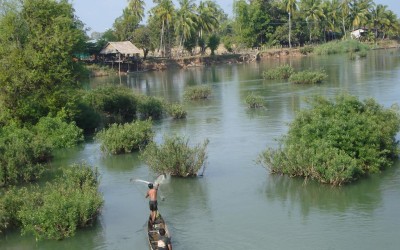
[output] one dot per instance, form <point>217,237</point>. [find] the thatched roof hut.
<point>125,48</point>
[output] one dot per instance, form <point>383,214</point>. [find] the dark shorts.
<point>153,205</point>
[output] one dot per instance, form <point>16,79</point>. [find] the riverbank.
<point>159,64</point>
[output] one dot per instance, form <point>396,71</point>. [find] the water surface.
<point>238,204</point>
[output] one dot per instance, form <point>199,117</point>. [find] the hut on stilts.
<point>125,54</point>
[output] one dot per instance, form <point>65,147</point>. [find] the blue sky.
<point>99,15</point>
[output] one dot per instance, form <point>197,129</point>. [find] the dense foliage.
<point>150,107</point>
<point>58,133</point>
<point>113,103</point>
<point>22,155</point>
<point>24,150</point>
<point>337,142</point>
<point>38,40</point>
<point>197,92</point>
<point>56,210</point>
<point>125,138</point>
<point>175,156</point>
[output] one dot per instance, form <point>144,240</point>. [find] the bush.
<point>116,104</point>
<point>175,156</point>
<point>125,138</point>
<point>197,92</point>
<point>254,101</point>
<point>308,77</point>
<point>55,210</point>
<point>176,111</point>
<point>337,142</point>
<point>87,118</point>
<point>281,72</point>
<point>71,202</point>
<point>11,202</point>
<point>363,53</point>
<point>58,133</point>
<point>306,50</point>
<point>22,154</point>
<point>150,107</point>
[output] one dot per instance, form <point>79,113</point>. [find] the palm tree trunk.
<point>290,30</point>
<point>162,35</point>
<point>344,28</point>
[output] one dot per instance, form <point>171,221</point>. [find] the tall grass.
<point>337,47</point>
<point>308,77</point>
<point>197,92</point>
<point>280,72</point>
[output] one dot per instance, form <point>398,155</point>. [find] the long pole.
<point>119,67</point>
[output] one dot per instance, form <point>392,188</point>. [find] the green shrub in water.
<point>308,77</point>
<point>337,142</point>
<point>11,201</point>
<point>175,156</point>
<point>58,209</point>
<point>22,154</point>
<point>58,133</point>
<point>176,111</point>
<point>150,107</point>
<point>125,138</point>
<point>197,92</point>
<point>115,103</point>
<point>281,72</point>
<point>254,101</point>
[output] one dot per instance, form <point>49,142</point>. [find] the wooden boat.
<point>152,230</point>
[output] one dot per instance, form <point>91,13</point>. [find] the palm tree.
<point>164,11</point>
<point>379,18</point>
<point>332,13</point>
<point>207,17</point>
<point>360,11</point>
<point>345,11</point>
<point>186,22</point>
<point>290,7</point>
<point>137,8</point>
<point>312,9</point>
<point>394,24</point>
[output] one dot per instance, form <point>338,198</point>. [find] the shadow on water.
<point>123,162</point>
<point>364,195</point>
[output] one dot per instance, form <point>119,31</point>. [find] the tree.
<point>332,14</point>
<point>252,22</point>
<point>185,22</point>
<point>163,12</point>
<point>207,17</point>
<point>313,12</point>
<point>360,12</point>
<point>137,8</point>
<point>213,43</point>
<point>37,70</point>
<point>126,24</point>
<point>290,7</point>
<point>379,18</point>
<point>141,37</point>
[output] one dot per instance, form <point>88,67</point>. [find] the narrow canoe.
<point>152,230</point>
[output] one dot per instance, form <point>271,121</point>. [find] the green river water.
<point>238,204</point>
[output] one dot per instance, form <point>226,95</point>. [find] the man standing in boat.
<point>152,194</point>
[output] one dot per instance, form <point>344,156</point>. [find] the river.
<point>238,204</point>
